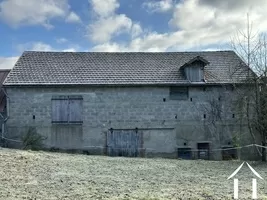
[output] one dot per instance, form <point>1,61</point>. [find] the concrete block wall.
<point>166,124</point>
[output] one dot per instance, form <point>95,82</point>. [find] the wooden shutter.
<point>67,109</point>
<point>75,110</point>
<point>201,74</point>
<point>60,110</point>
<point>195,74</point>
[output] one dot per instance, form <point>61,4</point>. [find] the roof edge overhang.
<point>5,70</point>
<point>120,85</point>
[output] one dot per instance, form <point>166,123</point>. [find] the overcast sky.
<point>123,25</point>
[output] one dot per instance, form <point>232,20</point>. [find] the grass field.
<point>43,175</point>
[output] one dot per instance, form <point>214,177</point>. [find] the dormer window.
<point>194,69</point>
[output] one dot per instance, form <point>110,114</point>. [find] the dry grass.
<point>43,175</point>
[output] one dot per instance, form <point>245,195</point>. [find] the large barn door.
<point>123,143</point>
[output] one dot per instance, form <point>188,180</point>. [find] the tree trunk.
<point>263,155</point>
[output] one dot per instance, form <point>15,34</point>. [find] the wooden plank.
<point>110,143</point>
<point>60,111</point>
<point>129,142</point>
<point>201,75</point>
<point>138,144</point>
<point>75,111</point>
<point>123,143</point>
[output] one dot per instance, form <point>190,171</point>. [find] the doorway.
<point>203,150</point>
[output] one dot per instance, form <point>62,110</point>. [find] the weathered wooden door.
<point>124,143</point>
<point>203,151</point>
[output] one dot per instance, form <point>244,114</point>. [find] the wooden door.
<point>203,151</point>
<point>123,143</point>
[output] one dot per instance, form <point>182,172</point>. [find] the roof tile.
<point>59,68</point>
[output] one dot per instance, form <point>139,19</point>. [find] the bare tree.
<point>252,49</point>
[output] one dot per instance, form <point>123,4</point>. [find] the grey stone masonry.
<point>166,124</point>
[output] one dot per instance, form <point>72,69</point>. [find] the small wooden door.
<point>123,143</point>
<point>184,153</point>
<point>203,151</point>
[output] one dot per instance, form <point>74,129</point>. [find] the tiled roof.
<point>3,75</point>
<point>99,68</point>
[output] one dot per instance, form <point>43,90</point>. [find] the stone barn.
<point>177,104</point>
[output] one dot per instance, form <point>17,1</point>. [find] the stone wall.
<point>166,124</point>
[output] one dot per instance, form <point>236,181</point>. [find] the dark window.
<point>67,109</point>
<point>178,93</point>
<point>229,87</point>
<point>207,89</point>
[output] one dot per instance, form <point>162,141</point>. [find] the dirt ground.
<point>44,175</point>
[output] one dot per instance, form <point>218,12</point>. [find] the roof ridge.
<point>128,52</point>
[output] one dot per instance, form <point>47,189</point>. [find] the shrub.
<point>32,140</point>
